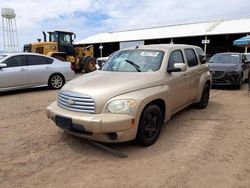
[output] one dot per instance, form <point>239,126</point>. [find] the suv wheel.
<point>204,97</point>
<point>149,125</point>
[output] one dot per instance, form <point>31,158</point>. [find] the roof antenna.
<point>136,47</point>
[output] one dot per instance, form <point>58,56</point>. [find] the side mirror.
<point>3,65</point>
<point>178,67</point>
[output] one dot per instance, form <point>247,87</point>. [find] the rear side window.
<point>191,57</point>
<point>38,60</point>
<point>175,57</point>
<point>15,61</point>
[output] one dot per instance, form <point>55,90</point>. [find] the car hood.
<point>223,66</point>
<point>104,85</point>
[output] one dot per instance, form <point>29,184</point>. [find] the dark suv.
<point>229,69</point>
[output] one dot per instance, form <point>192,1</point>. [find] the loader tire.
<point>89,64</point>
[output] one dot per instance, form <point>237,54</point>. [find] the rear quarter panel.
<point>63,68</point>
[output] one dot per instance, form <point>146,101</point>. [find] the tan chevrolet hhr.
<point>135,92</point>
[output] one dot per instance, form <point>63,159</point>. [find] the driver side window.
<point>175,57</point>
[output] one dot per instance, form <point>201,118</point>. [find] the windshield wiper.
<point>137,67</point>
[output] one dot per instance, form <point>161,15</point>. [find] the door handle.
<point>185,77</point>
<point>23,69</point>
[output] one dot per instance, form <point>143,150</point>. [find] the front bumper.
<point>96,127</point>
<point>225,78</point>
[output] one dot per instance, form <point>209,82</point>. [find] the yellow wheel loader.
<point>60,46</point>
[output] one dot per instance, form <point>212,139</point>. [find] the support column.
<point>205,46</point>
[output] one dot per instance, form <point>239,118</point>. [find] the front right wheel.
<point>149,126</point>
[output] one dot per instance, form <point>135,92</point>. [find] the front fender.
<point>144,97</point>
<point>206,76</point>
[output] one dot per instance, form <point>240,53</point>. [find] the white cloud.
<point>89,17</point>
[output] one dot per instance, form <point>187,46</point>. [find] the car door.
<point>39,69</point>
<point>193,72</point>
<point>15,74</point>
<point>178,82</point>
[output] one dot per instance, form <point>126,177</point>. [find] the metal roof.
<point>173,31</point>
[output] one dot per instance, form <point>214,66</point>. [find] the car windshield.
<point>2,56</point>
<point>225,58</point>
<point>134,61</point>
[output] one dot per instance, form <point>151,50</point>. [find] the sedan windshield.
<point>225,58</point>
<point>134,61</point>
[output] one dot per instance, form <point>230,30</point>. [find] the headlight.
<point>122,106</point>
<point>232,72</point>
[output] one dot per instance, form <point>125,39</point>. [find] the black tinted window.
<point>38,60</point>
<point>15,61</point>
<point>175,57</point>
<point>191,57</point>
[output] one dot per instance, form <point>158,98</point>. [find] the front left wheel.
<point>238,85</point>
<point>56,81</point>
<point>149,126</point>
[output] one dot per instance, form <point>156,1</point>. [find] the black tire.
<point>204,97</point>
<point>149,126</point>
<point>89,64</point>
<point>60,58</point>
<point>56,81</point>
<point>238,85</point>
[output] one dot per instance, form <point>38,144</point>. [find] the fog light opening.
<point>113,135</point>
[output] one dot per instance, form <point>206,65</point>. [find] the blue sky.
<point>90,17</point>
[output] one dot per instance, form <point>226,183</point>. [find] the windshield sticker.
<point>150,54</point>
<point>235,55</point>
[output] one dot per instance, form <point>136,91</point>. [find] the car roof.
<point>163,47</point>
<point>22,53</point>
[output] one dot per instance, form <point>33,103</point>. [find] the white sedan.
<point>26,70</point>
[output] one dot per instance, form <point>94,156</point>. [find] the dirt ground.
<point>196,148</point>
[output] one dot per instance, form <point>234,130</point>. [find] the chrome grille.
<point>76,102</point>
